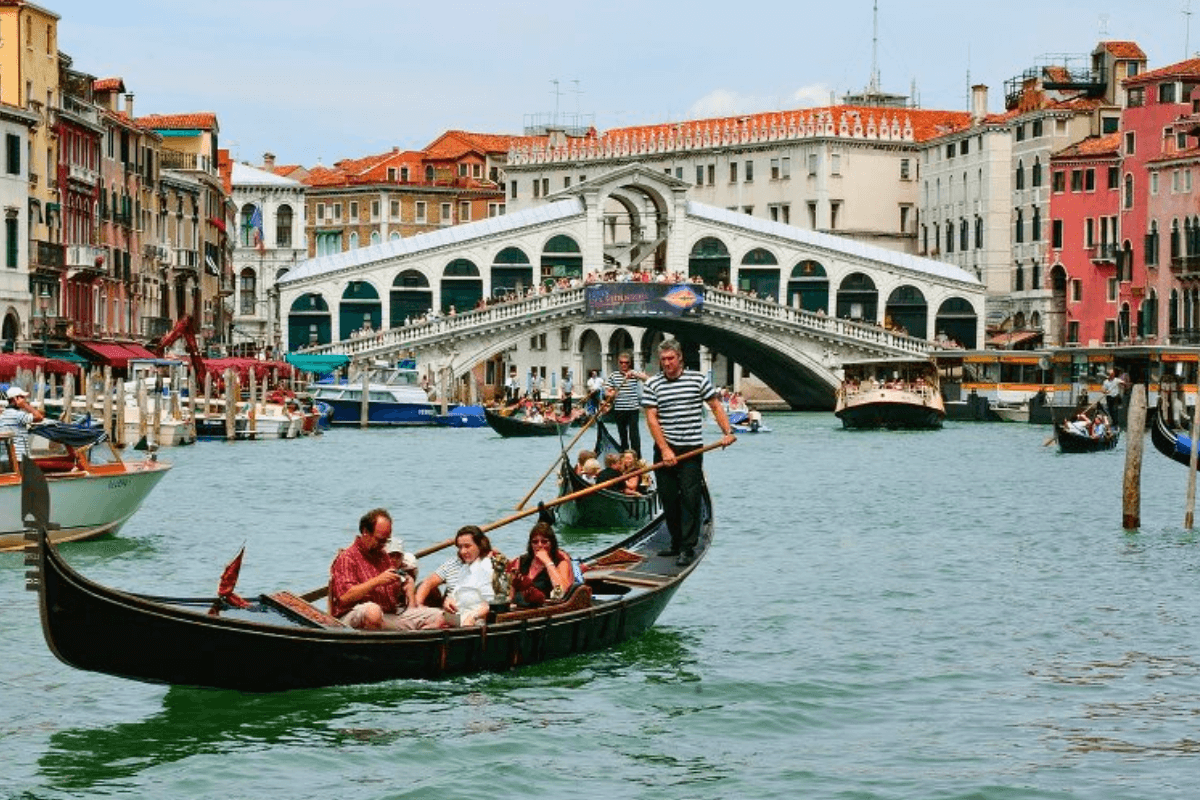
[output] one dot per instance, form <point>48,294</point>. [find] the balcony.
<point>186,259</point>
<point>1186,265</point>
<point>84,258</point>
<point>193,162</point>
<point>82,175</point>
<point>1103,253</point>
<point>48,255</point>
<point>155,327</point>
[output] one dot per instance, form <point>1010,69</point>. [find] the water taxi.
<point>890,393</point>
<point>394,396</point>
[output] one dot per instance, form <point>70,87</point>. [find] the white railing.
<point>571,301</point>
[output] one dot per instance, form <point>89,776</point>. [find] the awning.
<point>113,354</point>
<point>69,356</point>
<point>1014,340</point>
<point>319,364</point>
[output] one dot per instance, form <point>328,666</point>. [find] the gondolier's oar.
<point>600,411</point>
<point>317,594</point>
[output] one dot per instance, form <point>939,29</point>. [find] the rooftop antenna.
<point>1187,27</point>
<point>1104,26</point>
<point>557,95</point>
<point>577,92</point>
<point>874,86</point>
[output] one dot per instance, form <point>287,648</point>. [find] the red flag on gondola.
<point>229,579</point>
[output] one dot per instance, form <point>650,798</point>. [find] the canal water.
<point>951,614</point>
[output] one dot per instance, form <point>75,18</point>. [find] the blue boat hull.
<point>348,412</point>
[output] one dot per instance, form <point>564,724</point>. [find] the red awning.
<point>113,354</point>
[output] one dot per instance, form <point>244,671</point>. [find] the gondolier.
<point>1112,388</point>
<point>674,403</point>
<point>623,392</point>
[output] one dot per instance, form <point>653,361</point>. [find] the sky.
<point>314,82</point>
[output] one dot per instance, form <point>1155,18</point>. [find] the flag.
<point>256,229</point>
<point>229,580</point>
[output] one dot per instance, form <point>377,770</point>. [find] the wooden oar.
<point>600,411</point>
<point>317,594</point>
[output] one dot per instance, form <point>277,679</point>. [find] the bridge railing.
<point>441,326</point>
<point>860,331</point>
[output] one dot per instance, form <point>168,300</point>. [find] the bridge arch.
<point>561,258</point>
<point>808,287</point>
<point>411,297</point>
<point>709,260</point>
<point>360,308</point>
<point>511,271</point>
<point>591,352</point>
<point>759,273</point>
<point>309,320</point>
<point>907,311</point>
<point>857,298</point>
<point>462,286</point>
<point>957,320</point>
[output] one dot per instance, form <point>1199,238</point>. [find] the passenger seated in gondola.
<point>466,578</point>
<point>1080,426</point>
<point>582,459</point>
<point>364,588</point>
<point>612,468</point>
<point>543,572</point>
<point>1099,426</point>
<point>590,470</point>
<point>629,464</point>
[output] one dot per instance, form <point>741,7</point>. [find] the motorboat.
<point>394,396</point>
<point>893,393</point>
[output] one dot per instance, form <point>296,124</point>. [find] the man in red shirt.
<point>364,589</point>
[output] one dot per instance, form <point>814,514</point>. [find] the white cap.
<point>15,391</point>
<point>395,545</point>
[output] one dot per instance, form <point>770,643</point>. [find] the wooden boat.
<point>1173,444</point>
<point>281,642</point>
<point>519,426</point>
<point>92,488</point>
<point>890,393</point>
<point>605,508</point>
<point>1072,442</point>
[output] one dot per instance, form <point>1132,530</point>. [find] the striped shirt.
<point>680,405</point>
<point>629,395</point>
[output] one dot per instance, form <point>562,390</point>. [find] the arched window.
<point>353,239</point>
<point>1128,201</point>
<point>561,258</point>
<point>1020,175</point>
<point>283,226</point>
<point>246,292</point>
<point>251,225</point>
<point>1036,172</point>
<point>374,237</point>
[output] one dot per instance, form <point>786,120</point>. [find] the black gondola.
<point>1071,442</point>
<point>519,426</point>
<point>281,642</point>
<point>1172,444</point>
<point>605,508</point>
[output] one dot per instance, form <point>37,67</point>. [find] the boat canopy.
<point>318,364</point>
<point>72,435</point>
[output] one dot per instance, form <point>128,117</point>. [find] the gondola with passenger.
<point>281,642</point>
<point>607,508</point>
<point>1073,439</point>
<point>518,425</point>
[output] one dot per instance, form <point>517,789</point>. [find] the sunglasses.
<point>539,540</point>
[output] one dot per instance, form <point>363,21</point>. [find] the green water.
<point>953,614</point>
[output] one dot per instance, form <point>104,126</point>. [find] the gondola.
<point>1071,442</point>
<point>1172,444</point>
<point>519,426</point>
<point>605,508</point>
<point>280,642</point>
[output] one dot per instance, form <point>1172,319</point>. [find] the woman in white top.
<point>467,577</point>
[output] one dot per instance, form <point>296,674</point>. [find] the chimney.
<point>269,161</point>
<point>129,105</point>
<point>978,103</point>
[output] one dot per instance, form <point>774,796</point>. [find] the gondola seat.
<point>578,597</point>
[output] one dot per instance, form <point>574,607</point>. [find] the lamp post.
<point>44,307</point>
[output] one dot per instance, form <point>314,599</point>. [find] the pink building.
<point>1083,240</point>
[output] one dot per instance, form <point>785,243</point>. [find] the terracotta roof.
<point>1189,153</point>
<point>108,85</point>
<point>285,170</point>
<point>453,144</point>
<point>1106,145</point>
<point>1182,69</point>
<point>121,118</point>
<point>1123,50</point>
<point>324,176</point>
<point>205,120</point>
<point>926,124</point>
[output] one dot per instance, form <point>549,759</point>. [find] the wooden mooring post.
<point>1135,439</point>
<point>1190,508</point>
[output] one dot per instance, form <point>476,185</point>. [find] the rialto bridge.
<point>797,303</point>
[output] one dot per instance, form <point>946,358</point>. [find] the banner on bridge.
<point>643,300</point>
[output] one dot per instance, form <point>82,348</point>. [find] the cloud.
<point>725,103</point>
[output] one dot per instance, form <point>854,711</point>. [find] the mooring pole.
<point>1135,438</point>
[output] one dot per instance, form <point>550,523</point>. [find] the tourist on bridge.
<point>623,392</point>
<point>674,401</point>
